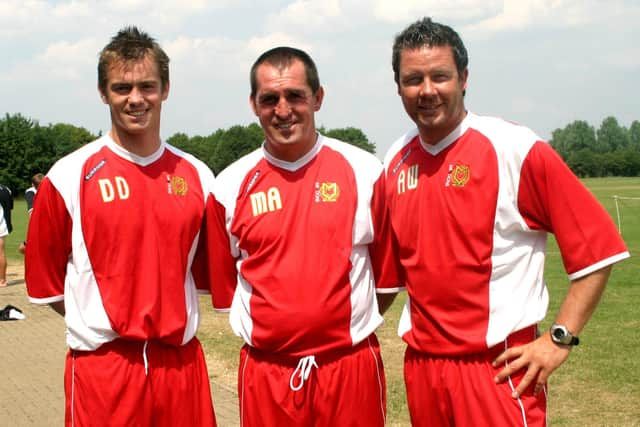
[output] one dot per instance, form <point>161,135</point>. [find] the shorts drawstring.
<point>304,366</point>
<point>144,357</point>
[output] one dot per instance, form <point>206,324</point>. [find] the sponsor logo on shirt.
<point>327,192</point>
<point>401,161</point>
<point>458,175</point>
<point>177,185</point>
<point>408,179</point>
<point>95,169</point>
<point>263,202</point>
<point>252,181</point>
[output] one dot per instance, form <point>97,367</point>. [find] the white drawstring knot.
<point>144,357</point>
<point>304,366</point>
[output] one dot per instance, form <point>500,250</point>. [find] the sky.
<point>543,63</point>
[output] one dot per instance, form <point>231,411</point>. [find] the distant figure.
<point>29,197</point>
<point>6,201</point>
<point>6,205</point>
<point>4,232</point>
<point>30,194</point>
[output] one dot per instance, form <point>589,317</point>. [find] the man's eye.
<point>412,81</point>
<point>121,89</point>
<point>148,87</point>
<point>295,97</point>
<point>268,100</point>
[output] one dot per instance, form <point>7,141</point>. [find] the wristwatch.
<point>561,335</point>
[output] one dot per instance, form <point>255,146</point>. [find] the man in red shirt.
<point>471,201</point>
<point>115,246</point>
<point>304,240</point>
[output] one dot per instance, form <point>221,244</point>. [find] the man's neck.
<point>142,145</point>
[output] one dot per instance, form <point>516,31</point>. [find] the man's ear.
<point>252,102</point>
<point>318,97</point>
<point>102,95</point>
<point>165,90</point>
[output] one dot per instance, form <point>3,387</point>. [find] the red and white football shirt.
<point>115,236</point>
<point>471,216</point>
<point>306,245</point>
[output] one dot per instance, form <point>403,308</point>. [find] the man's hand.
<point>540,358</point>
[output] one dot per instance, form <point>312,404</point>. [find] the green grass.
<point>19,219</point>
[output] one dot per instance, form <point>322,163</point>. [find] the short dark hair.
<point>425,32</point>
<point>131,44</point>
<point>282,57</point>
<point>37,179</point>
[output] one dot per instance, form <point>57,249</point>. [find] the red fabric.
<point>444,391</point>
<point>109,387</point>
<point>346,389</point>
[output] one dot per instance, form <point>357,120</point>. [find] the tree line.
<point>610,150</point>
<point>27,148</point>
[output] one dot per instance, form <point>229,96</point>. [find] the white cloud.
<point>59,61</point>
<point>406,11</point>
<point>544,14</point>
<point>307,17</point>
<point>257,45</point>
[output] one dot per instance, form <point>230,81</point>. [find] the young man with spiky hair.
<point>118,250</point>
<point>471,200</point>
<point>304,240</point>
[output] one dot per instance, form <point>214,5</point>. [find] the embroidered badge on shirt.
<point>327,192</point>
<point>177,185</point>
<point>458,175</point>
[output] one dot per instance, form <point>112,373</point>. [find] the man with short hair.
<point>119,252</point>
<point>304,240</point>
<point>30,193</point>
<point>471,201</point>
<point>29,197</point>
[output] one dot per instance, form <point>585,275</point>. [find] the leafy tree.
<point>574,137</point>
<point>234,143</point>
<point>353,136</point>
<point>611,136</point>
<point>17,141</point>
<point>65,139</point>
<point>634,135</point>
<point>585,163</point>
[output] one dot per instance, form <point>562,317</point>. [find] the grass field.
<point>599,385</point>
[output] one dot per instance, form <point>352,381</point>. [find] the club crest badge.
<point>329,192</point>
<point>178,186</point>
<point>460,175</point>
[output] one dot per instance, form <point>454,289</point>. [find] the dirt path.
<point>32,353</point>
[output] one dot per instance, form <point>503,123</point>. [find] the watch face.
<point>558,333</point>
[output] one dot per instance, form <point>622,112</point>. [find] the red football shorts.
<point>460,391</point>
<point>341,388</point>
<point>128,383</point>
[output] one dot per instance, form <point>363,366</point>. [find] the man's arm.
<point>542,356</point>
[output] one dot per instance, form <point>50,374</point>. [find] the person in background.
<point>4,232</point>
<point>304,240</point>
<point>6,205</point>
<point>119,252</point>
<point>29,197</point>
<point>471,200</point>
